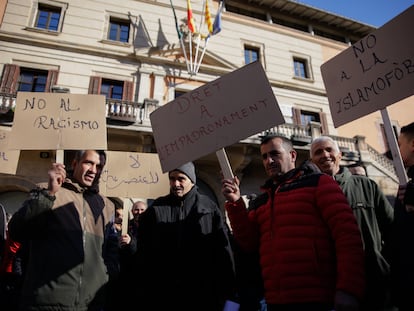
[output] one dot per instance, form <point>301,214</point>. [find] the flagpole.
<point>180,36</point>
<point>202,54</point>
<point>185,53</point>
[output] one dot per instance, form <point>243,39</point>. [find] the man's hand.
<point>57,175</point>
<point>230,189</point>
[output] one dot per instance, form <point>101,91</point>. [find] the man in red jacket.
<point>310,247</point>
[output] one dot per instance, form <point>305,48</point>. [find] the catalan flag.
<point>208,19</point>
<point>217,20</point>
<point>190,19</point>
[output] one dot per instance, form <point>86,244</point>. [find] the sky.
<point>372,12</point>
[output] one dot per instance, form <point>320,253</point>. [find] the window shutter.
<point>296,116</point>
<point>10,78</point>
<point>51,80</point>
<point>95,85</point>
<point>128,91</point>
<point>324,123</point>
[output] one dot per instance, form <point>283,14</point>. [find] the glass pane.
<point>113,31</point>
<point>117,91</point>
<point>54,21</point>
<point>124,33</point>
<point>42,19</point>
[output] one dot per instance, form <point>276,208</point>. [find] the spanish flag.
<point>190,19</point>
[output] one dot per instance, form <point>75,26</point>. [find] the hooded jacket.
<point>70,238</point>
<point>307,237</point>
<point>184,255</point>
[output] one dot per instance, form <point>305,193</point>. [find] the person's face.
<point>406,149</point>
<point>326,157</point>
<point>180,184</point>
<point>276,159</point>
<point>138,208</point>
<point>118,218</point>
<point>87,168</point>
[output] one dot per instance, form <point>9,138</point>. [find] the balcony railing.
<point>117,110</point>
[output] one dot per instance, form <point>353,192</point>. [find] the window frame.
<point>250,45</point>
<point>119,23</point>
<point>306,61</point>
<point>127,19</point>
<point>297,113</point>
<point>58,6</point>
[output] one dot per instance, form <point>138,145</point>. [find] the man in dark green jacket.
<point>69,226</point>
<point>374,215</point>
<point>184,257</point>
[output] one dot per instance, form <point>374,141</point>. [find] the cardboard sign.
<point>129,174</point>
<point>215,115</point>
<point>374,73</point>
<point>58,121</point>
<point>8,158</point>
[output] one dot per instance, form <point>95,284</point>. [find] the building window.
<point>48,17</point>
<point>304,117</point>
<point>112,88</point>
<point>309,116</point>
<point>118,30</point>
<point>32,80</point>
<point>251,54</point>
<point>115,89</point>
<point>178,93</point>
<point>301,68</point>
<point>24,79</point>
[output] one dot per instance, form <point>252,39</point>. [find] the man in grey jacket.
<point>374,215</point>
<point>69,227</point>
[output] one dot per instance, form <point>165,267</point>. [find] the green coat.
<point>67,234</point>
<point>374,215</point>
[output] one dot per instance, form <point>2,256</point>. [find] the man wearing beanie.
<point>184,256</point>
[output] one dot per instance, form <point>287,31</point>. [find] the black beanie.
<point>189,170</point>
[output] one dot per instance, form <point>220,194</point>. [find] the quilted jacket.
<point>307,237</point>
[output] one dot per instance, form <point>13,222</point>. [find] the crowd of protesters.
<point>317,238</point>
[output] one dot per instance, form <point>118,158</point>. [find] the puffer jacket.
<point>69,237</point>
<point>308,240</point>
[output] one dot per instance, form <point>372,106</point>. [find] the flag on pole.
<point>207,16</point>
<point>217,20</point>
<point>190,19</point>
<point>179,33</point>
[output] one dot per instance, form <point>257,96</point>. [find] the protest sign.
<point>373,73</point>
<point>215,115</point>
<point>58,121</point>
<point>8,158</point>
<point>131,174</point>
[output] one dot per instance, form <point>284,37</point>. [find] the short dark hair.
<point>408,130</point>
<point>102,155</point>
<point>287,143</point>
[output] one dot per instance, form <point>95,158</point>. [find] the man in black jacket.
<point>402,264</point>
<point>184,253</point>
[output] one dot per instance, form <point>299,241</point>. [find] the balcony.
<point>117,111</point>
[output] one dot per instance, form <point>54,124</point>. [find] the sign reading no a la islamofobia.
<point>131,174</point>
<point>55,121</point>
<point>373,73</point>
<point>215,115</point>
<point>8,158</point>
